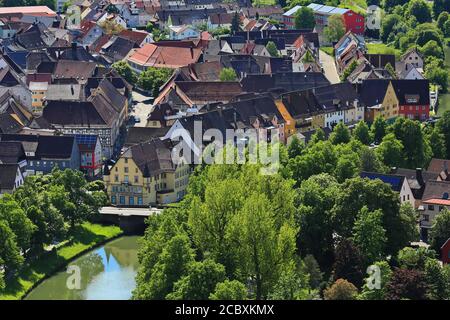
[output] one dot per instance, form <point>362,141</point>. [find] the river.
<point>107,273</point>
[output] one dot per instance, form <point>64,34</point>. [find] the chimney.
<point>419,176</point>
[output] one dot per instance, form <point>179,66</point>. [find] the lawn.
<point>327,50</point>
<point>259,3</point>
<point>381,48</point>
<point>358,6</point>
<point>87,236</point>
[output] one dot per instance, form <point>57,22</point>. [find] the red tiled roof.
<point>205,35</point>
<point>100,42</point>
<point>153,55</point>
<point>86,26</point>
<point>134,36</point>
<point>30,10</point>
<point>443,202</point>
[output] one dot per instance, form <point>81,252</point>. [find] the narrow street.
<point>329,67</point>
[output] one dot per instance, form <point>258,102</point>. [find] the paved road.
<point>129,211</point>
<point>141,108</point>
<point>329,67</point>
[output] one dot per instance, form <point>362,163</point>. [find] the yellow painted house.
<point>289,126</point>
<point>146,175</point>
<point>38,91</point>
<point>388,105</point>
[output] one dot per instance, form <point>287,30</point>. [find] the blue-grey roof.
<point>292,11</point>
<point>326,10</point>
<point>395,181</point>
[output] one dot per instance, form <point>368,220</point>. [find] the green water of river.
<point>107,273</point>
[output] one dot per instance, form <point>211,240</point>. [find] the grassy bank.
<point>444,99</point>
<point>381,48</point>
<point>327,50</point>
<point>87,236</point>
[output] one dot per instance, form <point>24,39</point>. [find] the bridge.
<point>130,220</point>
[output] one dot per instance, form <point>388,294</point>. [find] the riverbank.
<point>87,237</point>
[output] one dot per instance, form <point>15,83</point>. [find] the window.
<point>136,179</point>
<point>430,207</point>
<point>122,199</point>
<point>131,201</point>
<point>125,169</point>
<point>426,217</point>
<point>125,179</point>
<point>113,199</point>
<point>116,178</point>
<point>139,200</point>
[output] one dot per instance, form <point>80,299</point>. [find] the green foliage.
<point>229,290</point>
<point>9,251</point>
<point>199,282</point>
<point>369,235</point>
<point>235,23</point>
<point>362,133</point>
<point>236,218</point>
<point>438,287</point>
<point>125,71</point>
<point>439,6</point>
<point>432,49</point>
<point>442,19</point>
<point>220,31</point>
<point>390,151</point>
<point>375,195</point>
<point>443,127</point>
<point>340,134</point>
<point>389,68</point>
<point>437,143</point>
<point>304,18</point>
<point>417,152</point>
<point>420,10</point>
<point>171,265</point>
<point>341,290</point>
<point>378,129</point>
<point>388,25</point>
<point>436,73</point>
<point>335,29</point>
<point>292,285</point>
<point>153,78</point>
<point>377,293</point>
<point>17,220</point>
<point>440,231</point>
<point>316,199</point>
<point>272,49</point>
<point>295,148</point>
<point>411,258</point>
<point>227,74</point>
<point>312,268</point>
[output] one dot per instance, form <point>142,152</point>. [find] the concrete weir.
<point>130,220</point>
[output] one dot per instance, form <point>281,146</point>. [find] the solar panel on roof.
<point>339,11</point>
<point>85,139</point>
<point>315,6</point>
